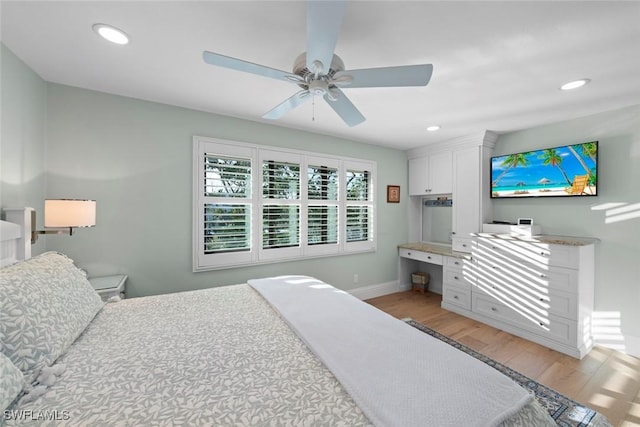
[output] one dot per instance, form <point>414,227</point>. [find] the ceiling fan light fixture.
<point>433,128</point>
<point>574,84</point>
<point>318,87</point>
<point>112,34</point>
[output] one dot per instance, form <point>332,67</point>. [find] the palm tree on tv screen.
<point>588,149</point>
<point>550,157</point>
<point>512,161</point>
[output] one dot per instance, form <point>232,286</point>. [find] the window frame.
<point>257,154</point>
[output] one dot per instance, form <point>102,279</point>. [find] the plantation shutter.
<point>359,206</point>
<point>227,215</point>
<point>322,215</point>
<point>281,204</point>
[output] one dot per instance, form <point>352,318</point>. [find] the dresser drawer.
<point>546,325</point>
<point>562,304</point>
<point>522,274</point>
<point>535,252</point>
<point>552,254</point>
<point>457,295</point>
<point>429,257</point>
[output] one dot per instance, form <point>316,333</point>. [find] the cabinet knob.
<point>456,263</point>
<point>456,277</point>
<point>408,253</point>
<point>428,257</point>
<point>455,297</point>
<point>543,253</point>
<point>464,245</point>
<point>543,275</point>
<point>494,309</point>
<point>542,299</point>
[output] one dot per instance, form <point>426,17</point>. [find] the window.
<point>255,204</point>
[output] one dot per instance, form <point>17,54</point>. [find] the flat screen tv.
<point>569,170</point>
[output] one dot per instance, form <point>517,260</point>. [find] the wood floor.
<point>605,380</point>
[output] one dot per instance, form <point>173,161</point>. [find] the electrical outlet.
<point>355,278</point>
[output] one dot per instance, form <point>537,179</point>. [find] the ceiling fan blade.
<point>287,105</point>
<point>247,67</point>
<point>407,75</point>
<point>324,19</point>
<point>344,108</point>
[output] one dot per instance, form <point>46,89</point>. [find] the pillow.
<point>11,382</point>
<point>45,304</point>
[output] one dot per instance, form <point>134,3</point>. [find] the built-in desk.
<point>425,257</point>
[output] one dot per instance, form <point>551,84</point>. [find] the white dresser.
<point>539,288</point>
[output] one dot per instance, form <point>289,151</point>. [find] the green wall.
<point>135,158</point>
<point>22,143</point>
<point>617,266</point>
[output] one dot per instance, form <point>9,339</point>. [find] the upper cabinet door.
<point>440,173</point>
<point>431,174</point>
<point>418,176</point>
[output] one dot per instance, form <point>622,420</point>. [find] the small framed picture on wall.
<point>393,194</point>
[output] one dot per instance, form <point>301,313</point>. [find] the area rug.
<point>563,410</point>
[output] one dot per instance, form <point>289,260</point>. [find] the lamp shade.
<point>69,213</point>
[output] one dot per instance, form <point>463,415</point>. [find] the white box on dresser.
<point>539,288</point>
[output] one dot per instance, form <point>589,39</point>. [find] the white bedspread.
<point>396,374</point>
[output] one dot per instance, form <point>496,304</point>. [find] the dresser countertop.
<point>543,238</point>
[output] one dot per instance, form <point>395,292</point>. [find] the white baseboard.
<point>377,290</point>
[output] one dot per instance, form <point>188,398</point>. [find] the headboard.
<point>15,236</point>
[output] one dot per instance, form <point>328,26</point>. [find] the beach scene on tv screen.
<point>560,171</point>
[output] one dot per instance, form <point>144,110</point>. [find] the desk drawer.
<point>429,257</point>
<point>456,276</point>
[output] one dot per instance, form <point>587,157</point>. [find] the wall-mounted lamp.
<point>65,213</point>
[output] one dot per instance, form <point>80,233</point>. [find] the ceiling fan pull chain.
<point>313,107</point>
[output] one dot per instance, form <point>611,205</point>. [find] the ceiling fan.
<point>320,72</point>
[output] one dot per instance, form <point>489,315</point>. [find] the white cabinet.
<point>538,290</point>
<point>457,282</point>
<point>431,174</point>
<point>471,203</point>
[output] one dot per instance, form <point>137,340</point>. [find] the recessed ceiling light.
<point>110,33</point>
<point>574,84</point>
<point>433,128</point>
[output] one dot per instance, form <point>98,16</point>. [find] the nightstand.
<point>109,286</point>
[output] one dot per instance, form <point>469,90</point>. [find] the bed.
<point>279,351</point>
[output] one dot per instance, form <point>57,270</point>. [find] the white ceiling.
<point>497,64</point>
